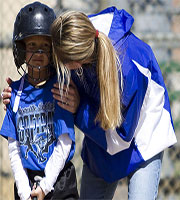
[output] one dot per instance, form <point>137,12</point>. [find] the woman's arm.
<point>69,101</point>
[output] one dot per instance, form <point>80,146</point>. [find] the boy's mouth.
<point>37,61</point>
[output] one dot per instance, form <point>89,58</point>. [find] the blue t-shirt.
<point>37,124</point>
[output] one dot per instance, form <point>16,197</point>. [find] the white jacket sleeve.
<point>56,163</point>
<point>20,174</point>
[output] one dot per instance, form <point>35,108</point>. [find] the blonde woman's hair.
<point>74,39</point>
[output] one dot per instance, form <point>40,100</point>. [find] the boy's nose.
<point>40,51</point>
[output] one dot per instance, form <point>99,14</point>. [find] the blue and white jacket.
<point>147,128</point>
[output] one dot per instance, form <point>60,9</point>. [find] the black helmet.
<point>33,19</point>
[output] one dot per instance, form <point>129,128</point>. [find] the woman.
<point>124,109</point>
<point>126,121</point>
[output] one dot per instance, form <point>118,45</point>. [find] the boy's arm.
<point>56,163</point>
<point>20,174</point>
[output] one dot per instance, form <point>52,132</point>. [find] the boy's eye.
<point>34,47</point>
<point>46,47</point>
<point>31,46</point>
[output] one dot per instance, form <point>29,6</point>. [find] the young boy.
<point>40,134</point>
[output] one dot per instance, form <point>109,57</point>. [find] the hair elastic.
<point>97,34</point>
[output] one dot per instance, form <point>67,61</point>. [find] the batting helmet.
<point>33,19</point>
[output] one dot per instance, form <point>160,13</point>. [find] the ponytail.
<point>108,66</point>
<point>74,38</point>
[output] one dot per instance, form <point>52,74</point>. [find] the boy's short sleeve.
<point>63,122</point>
<point>8,128</point>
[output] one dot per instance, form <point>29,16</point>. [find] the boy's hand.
<point>70,100</point>
<point>38,192</point>
<point>6,94</point>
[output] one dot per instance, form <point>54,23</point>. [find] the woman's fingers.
<point>9,81</point>
<point>64,95</point>
<point>67,107</point>
<point>68,99</point>
<point>67,102</point>
<point>6,96</point>
<point>56,85</point>
<point>56,96</point>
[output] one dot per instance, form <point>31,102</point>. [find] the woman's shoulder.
<point>138,50</point>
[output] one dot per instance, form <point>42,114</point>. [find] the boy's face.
<point>35,43</point>
<point>38,50</point>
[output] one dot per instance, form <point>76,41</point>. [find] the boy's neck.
<point>36,84</point>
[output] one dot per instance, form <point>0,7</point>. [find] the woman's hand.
<point>70,100</point>
<point>6,94</point>
<point>38,192</point>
